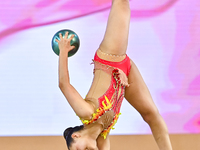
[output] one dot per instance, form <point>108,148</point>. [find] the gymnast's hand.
<point>64,43</point>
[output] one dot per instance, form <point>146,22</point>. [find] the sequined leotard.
<point>110,102</point>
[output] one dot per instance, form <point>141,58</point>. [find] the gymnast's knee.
<point>151,115</point>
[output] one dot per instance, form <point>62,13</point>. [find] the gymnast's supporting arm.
<point>78,104</point>
<point>103,144</point>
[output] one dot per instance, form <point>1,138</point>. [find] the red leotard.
<point>112,98</point>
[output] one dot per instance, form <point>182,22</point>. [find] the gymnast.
<point>115,77</point>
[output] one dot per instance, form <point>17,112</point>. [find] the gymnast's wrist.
<point>64,52</point>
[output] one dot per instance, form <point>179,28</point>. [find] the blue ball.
<point>74,42</point>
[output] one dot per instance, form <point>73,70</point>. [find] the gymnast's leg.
<point>138,95</point>
<point>115,40</point>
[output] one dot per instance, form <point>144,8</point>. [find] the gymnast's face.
<point>83,143</point>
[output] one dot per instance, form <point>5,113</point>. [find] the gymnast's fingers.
<point>57,40</point>
<point>66,35</point>
<point>71,37</point>
<point>60,36</point>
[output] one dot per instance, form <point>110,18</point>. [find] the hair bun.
<point>67,132</point>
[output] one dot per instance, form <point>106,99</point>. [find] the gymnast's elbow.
<point>63,85</point>
<point>86,115</point>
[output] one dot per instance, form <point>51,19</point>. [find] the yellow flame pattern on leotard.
<point>99,112</point>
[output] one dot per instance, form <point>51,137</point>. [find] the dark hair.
<point>68,134</point>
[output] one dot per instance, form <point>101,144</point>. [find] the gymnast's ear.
<point>76,135</point>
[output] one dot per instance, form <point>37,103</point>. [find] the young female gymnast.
<point>115,77</point>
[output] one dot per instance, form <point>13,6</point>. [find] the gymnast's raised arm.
<point>79,105</point>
